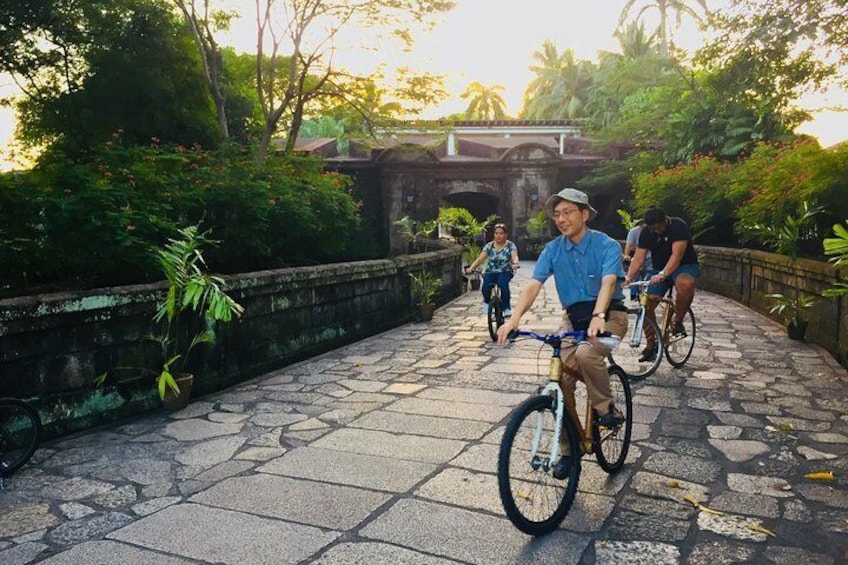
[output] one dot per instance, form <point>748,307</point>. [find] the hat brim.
<point>555,199</point>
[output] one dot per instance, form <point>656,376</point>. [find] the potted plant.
<point>414,232</point>
<point>194,295</point>
<point>538,231</point>
<point>425,286</point>
<point>791,309</point>
<point>784,240</point>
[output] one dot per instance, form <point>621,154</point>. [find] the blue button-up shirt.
<point>579,269</point>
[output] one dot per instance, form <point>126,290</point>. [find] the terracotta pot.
<point>174,401</point>
<point>426,312</point>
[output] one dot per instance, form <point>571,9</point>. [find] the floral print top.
<point>499,261</point>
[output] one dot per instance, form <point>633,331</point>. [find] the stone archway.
<point>481,205</point>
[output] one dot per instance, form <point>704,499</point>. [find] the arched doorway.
<point>480,205</point>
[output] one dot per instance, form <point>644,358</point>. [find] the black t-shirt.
<point>660,245</point>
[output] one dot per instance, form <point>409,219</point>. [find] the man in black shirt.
<point>674,263</point>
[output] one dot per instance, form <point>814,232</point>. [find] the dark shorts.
<point>660,289</point>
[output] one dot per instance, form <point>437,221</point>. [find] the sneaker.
<point>508,312</point>
<point>679,330</point>
<point>649,354</point>
<point>562,467</point>
<point>485,308</point>
<point>612,418</point>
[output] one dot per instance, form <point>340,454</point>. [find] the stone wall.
<point>53,347</point>
<point>748,276</point>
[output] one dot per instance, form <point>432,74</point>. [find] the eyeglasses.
<point>570,211</point>
<point>502,226</point>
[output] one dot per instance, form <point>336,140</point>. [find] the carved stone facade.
<point>509,173</point>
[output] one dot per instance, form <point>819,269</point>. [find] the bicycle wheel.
<point>20,432</point>
<point>627,354</point>
<point>495,317</point>
<point>611,444</point>
<point>534,501</point>
<point>678,348</point>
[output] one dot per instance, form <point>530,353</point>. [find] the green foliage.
<point>413,231</point>
<point>628,221</point>
<point>791,309</point>
<point>471,252</point>
<point>785,236</point>
<point>485,102</point>
<point>119,64</point>
<point>561,86</point>
<point>538,225</point>
<point>776,180</point>
<point>695,191</point>
<point>124,200</point>
<point>425,286</point>
<point>461,223</point>
<point>192,293</point>
<point>837,248</point>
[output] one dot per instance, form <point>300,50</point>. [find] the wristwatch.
<point>601,315</point>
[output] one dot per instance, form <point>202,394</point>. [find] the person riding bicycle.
<point>675,263</point>
<point>586,266</point>
<point>501,256</point>
<point>630,244</point>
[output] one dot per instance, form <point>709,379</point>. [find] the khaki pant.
<point>590,362</point>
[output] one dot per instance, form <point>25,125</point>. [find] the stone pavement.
<point>385,452</point>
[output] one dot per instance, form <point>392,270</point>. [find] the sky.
<point>492,42</point>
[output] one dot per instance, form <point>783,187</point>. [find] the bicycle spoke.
<point>611,444</point>
<point>534,500</point>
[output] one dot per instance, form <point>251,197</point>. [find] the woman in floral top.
<point>501,258</point>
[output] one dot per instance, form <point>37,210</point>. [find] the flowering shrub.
<point>68,224</point>
<point>775,180</point>
<point>695,191</point>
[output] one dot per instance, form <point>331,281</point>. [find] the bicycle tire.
<point>527,485</point>
<point>627,354</point>
<point>612,444</point>
<point>677,349</point>
<point>495,317</point>
<point>20,433</point>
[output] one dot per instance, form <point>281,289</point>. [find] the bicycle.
<point>495,312</point>
<point>495,316</point>
<point>629,356</point>
<point>534,500</point>
<point>678,347</point>
<point>20,433</point>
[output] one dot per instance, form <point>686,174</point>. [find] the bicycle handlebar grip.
<point>513,335</point>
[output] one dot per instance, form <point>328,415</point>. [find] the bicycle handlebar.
<point>555,339</point>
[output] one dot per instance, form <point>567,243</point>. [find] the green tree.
<point>205,22</point>
<point>807,29</point>
<point>665,8</point>
<point>125,65</point>
<point>307,30</point>
<point>485,102</point>
<point>561,85</point>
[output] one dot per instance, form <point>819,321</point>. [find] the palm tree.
<point>634,41</point>
<point>665,31</point>
<point>561,86</point>
<point>486,102</point>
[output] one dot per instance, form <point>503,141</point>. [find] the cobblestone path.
<point>385,451</point>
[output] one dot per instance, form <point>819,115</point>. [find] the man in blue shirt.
<point>586,265</point>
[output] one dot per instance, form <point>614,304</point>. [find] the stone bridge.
<point>384,451</point>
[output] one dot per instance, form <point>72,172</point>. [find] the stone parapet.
<point>749,276</point>
<point>53,347</point>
